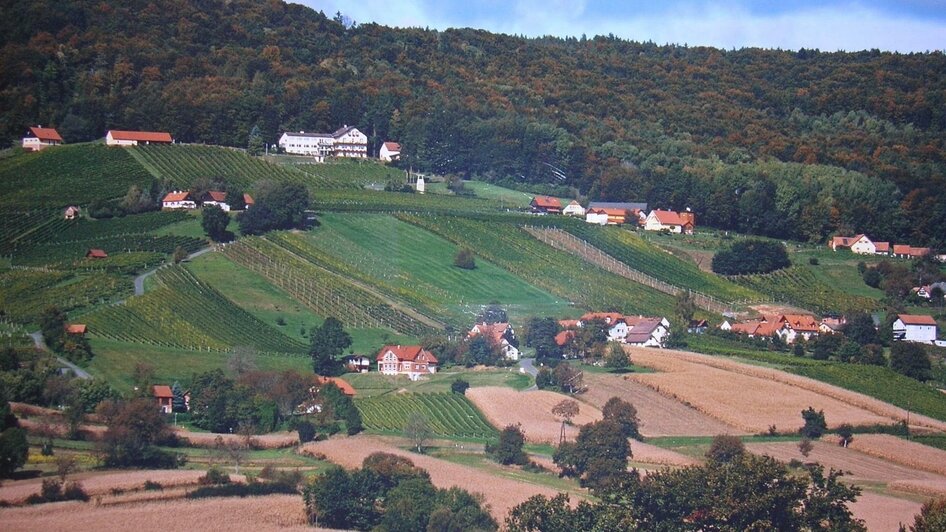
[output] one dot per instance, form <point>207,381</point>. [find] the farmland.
<point>24,293</point>
<point>348,173</point>
<point>799,286</point>
<point>533,410</point>
<point>449,415</point>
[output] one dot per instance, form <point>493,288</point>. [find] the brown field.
<point>651,454</point>
<point>883,513</point>
<point>659,415</point>
<point>263,441</point>
<point>533,410</point>
<point>101,483</point>
<point>900,451</point>
<point>753,398</point>
<point>274,512</point>
<point>501,494</point>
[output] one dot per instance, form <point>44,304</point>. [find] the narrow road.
<point>528,366</point>
<point>140,280</point>
<point>41,345</point>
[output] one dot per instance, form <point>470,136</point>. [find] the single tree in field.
<point>567,409</point>
<point>725,448</point>
<point>805,447</point>
<point>509,448</point>
<point>815,424</point>
<point>616,358</point>
<point>846,434</point>
<point>464,259</point>
<point>417,430</point>
<point>328,342</point>
<point>459,386</point>
<point>624,414</point>
<point>215,221</point>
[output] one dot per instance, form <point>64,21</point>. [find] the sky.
<point>829,25</point>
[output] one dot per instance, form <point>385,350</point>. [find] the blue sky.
<point>905,26</point>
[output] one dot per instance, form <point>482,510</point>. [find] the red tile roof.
<point>216,195</point>
<point>801,322</point>
<point>177,196</point>
<point>546,202</point>
<point>845,241</point>
<point>248,199</point>
<point>563,337</point>
<point>668,217</point>
<point>496,331</point>
<point>882,247</point>
<point>75,328</point>
<point>162,391</point>
<point>342,384</point>
<point>141,136</point>
<point>46,133</point>
<point>568,324</point>
<point>909,319</point>
<point>609,317</point>
<point>407,352</point>
<point>392,146</point>
<point>96,253</point>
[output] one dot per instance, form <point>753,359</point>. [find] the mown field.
<point>449,415</point>
<point>374,384</point>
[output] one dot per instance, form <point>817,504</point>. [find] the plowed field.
<point>533,410</point>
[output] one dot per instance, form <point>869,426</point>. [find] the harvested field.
<point>505,406</point>
<point>501,494</point>
<point>859,465</point>
<point>273,512</point>
<point>659,415</point>
<point>929,488</point>
<point>262,441</point>
<point>651,454</point>
<point>900,451</point>
<point>752,398</point>
<point>880,512</point>
<point>101,483</point>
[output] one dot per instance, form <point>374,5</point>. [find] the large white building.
<point>921,329</point>
<point>345,142</point>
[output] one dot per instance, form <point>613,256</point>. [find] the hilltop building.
<point>39,137</point>
<point>116,137</point>
<point>344,142</point>
<point>390,151</point>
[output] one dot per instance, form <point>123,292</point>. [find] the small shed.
<point>96,253</point>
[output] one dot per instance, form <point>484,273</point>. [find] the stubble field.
<point>533,410</point>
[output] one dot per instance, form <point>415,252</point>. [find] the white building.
<point>920,329</point>
<point>116,137</point>
<point>574,209</point>
<point>390,151</point>
<point>345,142</point>
<point>178,200</point>
<point>672,221</point>
<point>40,137</point>
<point>500,334</point>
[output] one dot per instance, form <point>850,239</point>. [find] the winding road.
<point>41,345</point>
<point>528,366</point>
<point>140,280</point>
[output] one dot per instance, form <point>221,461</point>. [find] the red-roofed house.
<point>390,151</point>
<point>178,200</point>
<point>215,197</point>
<point>411,360</point>
<point>248,200</point>
<point>40,137</point>
<point>96,253</point>
<point>798,325</point>
<point>882,248</point>
<point>116,137</point>
<point>904,251</point>
<point>562,338</point>
<point>164,396</point>
<point>71,212</point>
<point>672,221</point>
<point>76,328</point>
<point>921,329</point>
<point>648,332</point>
<point>342,384</point>
<point>499,334</point>
<point>546,205</point>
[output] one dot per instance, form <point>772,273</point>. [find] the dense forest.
<point>790,144</point>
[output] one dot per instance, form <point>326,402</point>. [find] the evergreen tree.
<point>328,341</point>
<point>255,144</point>
<point>178,403</point>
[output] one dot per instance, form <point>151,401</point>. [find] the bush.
<point>253,489</point>
<point>813,261</point>
<point>464,259</point>
<point>725,448</point>
<point>751,256</point>
<point>910,359</point>
<point>815,424</point>
<point>306,431</point>
<point>214,477</point>
<point>53,490</point>
<point>459,386</point>
<point>151,485</point>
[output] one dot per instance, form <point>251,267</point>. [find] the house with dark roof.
<point>411,360</point>
<point>39,137</point>
<point>545,205</point>
<point>116,137</point>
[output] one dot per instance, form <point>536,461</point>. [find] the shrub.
<point>464,259</point>
<point>54,490</point>
<point>151,485</point>
<point>306,431</point>
<point>813,261</point>
<point>214,477</point>
<point>459,386</point>
<point>815,424</point>
<point>253,489</point>
<point>725,448</point>
<point>509,448</point>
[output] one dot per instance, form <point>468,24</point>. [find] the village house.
<point>545,205</point>
<point>573,209</point>
<point>797,326</point>
<point>411,360</point>
<point>910,328</point>
<point>614,213</point>
<point>347,141</point>
<point>788,327</point>
<point>357,363</point>
<point>78,329</point>
<point>390,151</point>
<point>215,197</point>
<point>95,253</point>
<point>116,137</point>
<point>903,251</point>
<point>342,385</point>
<point>859,244</point>
<point>640,331</point>
<point>71,212</point>
<point>178,200</point>
<point>831,325</point>
<point>501,335</point>
<point>164,396</point>
<point>926,292</point>
<point>671,221</point>
<point>39,137</point>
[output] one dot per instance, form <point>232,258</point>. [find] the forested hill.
<point>789,144</point>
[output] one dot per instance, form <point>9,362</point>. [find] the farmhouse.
<point>831,325</point>
<point>40,137</point>
<point>573,209</point>
<point>546,205</point>
<point>920,329</point>
<point>357,363</point>
<point>641,331</point>
<point>342,385</point>
<point>926,292</point>
<point>788,327</point>
<point>164,396</point>
<point>904,251</point>
<point>96,253</point>
<point>71,212</point>
<point>797,326</point>
<point>613,213</point>
<point>347,141</point>
<point>215,197</point>
<point>78,329</point>
<point>411,360</point>
<point>501,335</point>
<point>390,151</point>
<point>672,221</point>
<point>116,137</point>
<point>178,200</point>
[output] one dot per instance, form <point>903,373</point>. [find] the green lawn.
<point>419,265</point>
<point>374,383</point>
<point>190,227</point>
<point>115,362</point>
<point>269,303</point>
<point>506,197</point>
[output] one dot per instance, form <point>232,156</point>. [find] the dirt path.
<point>659,415</point>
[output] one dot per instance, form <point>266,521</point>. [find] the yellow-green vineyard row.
<point>447,414</point>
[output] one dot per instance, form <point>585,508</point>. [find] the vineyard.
<point>799,286</point>
<point>448,414</point>
<point>72,254</point>
<point>347,174</point>
<point>324,292</point>
<point>185,313</point>
<point>16,227</point>
<point>67,175</point>
<point>371,201</point>
<point>25,292</point>
<point>559,272</point>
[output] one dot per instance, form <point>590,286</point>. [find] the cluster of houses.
<point>39,137</point>
<point>792,327</point>
<point>346,141</point>
<point>618,213</point>
<point>182,199</point>
<point>638,331</point>
<point>862,245</point>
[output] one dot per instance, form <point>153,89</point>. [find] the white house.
<point>318,145</point>
<point>411,360</point>
<point>178,200</point>
<point>349,142</point>
<point>574,209</point>
<point>116,137</point>
<point>797,326</point>
<point>909,328</point>
<point>40,137</point>
<point>357,363</point>
<point>863,246</point>
<point>215,197</point>
<point>648,332</point>
<point>672,221</point>
<point>500,334</point>
<point>390,151</point>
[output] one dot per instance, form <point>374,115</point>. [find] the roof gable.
<point>392,146</point>
<point>141,136</point>
<point>409,353</point>
<point>215,195</point>
<point>45,133</point>
<point>667,217</point>
<point>909,319</point>
<point>177,196</point>
<point>162,391</point>
<point>547,202</point>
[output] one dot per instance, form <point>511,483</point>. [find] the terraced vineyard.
<point>449,415</point>
<point>324,292</point>
<point>561,273</point>
<point>16,227</point>
<point>182,165</point>
<point>67,254</point>
<point>799,286</point>
<point>185,313</point>
<point>67,175</point>
<point>371,201</point>
<point>347,174</point>
<point>24,293</point>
